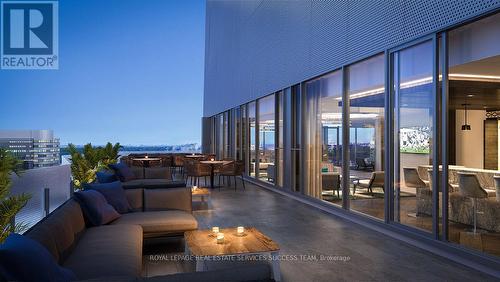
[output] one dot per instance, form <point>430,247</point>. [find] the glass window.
<point>267,168</point>
<point>252,138</point>
<point>323,138</point>
<point>413,115</point>
<point>281,140</point>
<point>366,91</point>
<point>474,136</point>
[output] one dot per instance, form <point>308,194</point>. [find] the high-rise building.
<point>383,112</point>
<point>36,148</point>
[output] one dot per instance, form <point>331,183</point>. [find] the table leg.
<point>275,266</point>
<point>212,176</point>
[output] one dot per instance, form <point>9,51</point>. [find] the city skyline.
<point>135,89</point>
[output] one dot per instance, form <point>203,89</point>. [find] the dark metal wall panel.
<point>254,48</point>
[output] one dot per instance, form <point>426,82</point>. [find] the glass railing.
<point>49,187</point>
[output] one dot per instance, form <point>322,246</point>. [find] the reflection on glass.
<point>281,143</point>
<point>267,169</point>
<point>413,136</point>
<point>474,135</point>
<point>251,125</point>
<point>366,135</point>
<point>323,142</point>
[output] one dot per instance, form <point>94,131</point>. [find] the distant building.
<point>36,148</point>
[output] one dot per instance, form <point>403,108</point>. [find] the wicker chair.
<point>178,163</point>
<point>235,168</point>
<point>194,170</point>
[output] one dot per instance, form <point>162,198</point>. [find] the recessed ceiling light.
<point>470,95</point>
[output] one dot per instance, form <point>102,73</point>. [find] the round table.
<point>212,170</point>
<point>145,163</point>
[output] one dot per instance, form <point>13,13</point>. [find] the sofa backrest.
<point>60,231</point>
<point>135,198</point>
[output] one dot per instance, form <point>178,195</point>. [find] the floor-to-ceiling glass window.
<point>267,118</point>
<point>281,138</point>
<point>474,135</point>
<point>244,135</point>
<point>252,139</point>
<point>413,126</point>
<point>366,89</point>
<point>237,137</point>
<point>323,137</point>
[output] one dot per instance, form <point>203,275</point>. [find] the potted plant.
<point>10,205</point>
<point>90,160</point>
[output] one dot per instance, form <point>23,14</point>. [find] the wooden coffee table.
<point>203,245</point>
<point>201,192</point>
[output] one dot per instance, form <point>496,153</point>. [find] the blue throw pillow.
<point>95,207</point>
<point>122,171</point>
<point>114,194</point>
<point>105,177</point>
<point>24,259</point>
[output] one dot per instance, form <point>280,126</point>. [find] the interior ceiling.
<point>485,95</point>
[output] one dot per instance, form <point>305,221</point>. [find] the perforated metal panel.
<point>254,48</point>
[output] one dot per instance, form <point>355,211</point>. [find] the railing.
<point>49,187</point>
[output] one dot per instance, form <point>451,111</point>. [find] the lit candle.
<point>220,238</point>
<point>215,229</point>
<point>195,187</point>
<point>212,159</point>
<point>146,157</point>
<point>240,230</point>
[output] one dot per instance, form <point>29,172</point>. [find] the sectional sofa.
<point>113,252</point>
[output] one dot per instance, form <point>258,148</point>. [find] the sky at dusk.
<point>130,71</point>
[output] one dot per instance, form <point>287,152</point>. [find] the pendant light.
<point>465,126</point>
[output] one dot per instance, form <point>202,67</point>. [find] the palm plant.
<point>85,165</point>
<point>10,205</point>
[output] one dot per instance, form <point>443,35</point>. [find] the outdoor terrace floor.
<point>303,230</point>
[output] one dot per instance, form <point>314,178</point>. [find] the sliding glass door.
<point>366,92</point>
<point>323,138</point>
<point>413,92</point>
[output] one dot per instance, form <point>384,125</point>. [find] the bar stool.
<point>469,187</point>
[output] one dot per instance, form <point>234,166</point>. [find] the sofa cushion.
<point>138,171</point>
<point>110,250</point>
<point>114,194</point>
<point>24,259</point>
<point>135,199</point>
<point>59,231</point>
<point>241,272</point>
<point>96,208</point>
<point>168,199</point>
<point>160,222</point>
<point>106,176</point>
<point>153,183</point>
<point>158,173</point>
<point>123,172</point>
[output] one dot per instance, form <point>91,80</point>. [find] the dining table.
<point>195,156</point>
<point>145,163</point>
<point>213,164</point>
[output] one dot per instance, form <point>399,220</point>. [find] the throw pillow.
<point>123,172</point>
<point>95,207</point>
<point>105,177</point>
<point>24,259</point>
<point>114,194</point>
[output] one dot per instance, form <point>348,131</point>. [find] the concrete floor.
<point>301,230</point>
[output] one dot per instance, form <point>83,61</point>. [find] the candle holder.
<point>220,238</point>
<point>240,231</point>
<point>215,231</point>
<point>212,159</point>
<point>194,188</point>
